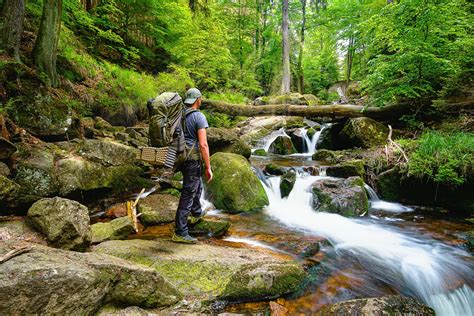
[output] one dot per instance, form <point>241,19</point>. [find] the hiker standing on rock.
<point>196,140</point>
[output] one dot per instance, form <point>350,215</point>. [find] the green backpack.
<point>166,132</point>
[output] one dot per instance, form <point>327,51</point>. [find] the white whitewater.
<point>376,204</point>
<point>267,141</point>
<point>311,143</point>
<point>415,266</point>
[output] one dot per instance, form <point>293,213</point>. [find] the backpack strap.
<point>187,111</point>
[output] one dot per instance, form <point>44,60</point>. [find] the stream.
<point>395,250</point>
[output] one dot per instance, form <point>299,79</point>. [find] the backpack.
<point>166,131</point>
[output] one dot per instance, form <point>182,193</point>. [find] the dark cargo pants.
<point>189,202</point>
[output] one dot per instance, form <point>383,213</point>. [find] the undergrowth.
<point>445,158</point>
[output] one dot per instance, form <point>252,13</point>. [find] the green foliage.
<point>216,119</point>
<point>228,96</point>
<point>444,158</point>
<point>178,79</point>
<point>417,47</point>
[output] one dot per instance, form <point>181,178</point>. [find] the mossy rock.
<point>227,140</point>
<point>48,281</point>
<point>330,138</point>
<point>326,155</point>
<point>287,182</point>
<point>282,146</point>
<point>64,222</point>
<point>7,148</point>
<point>4,170</point>
<point>389,185</point>
<point>364,132</point>
<point>208,273</point>
<point>9,191</point>
<point>235,188</point>
<point>210,227</point>
<point>116,229</point>
<point>351,168</point>
<point>158,209</point>
<point>310,132</point>
<point>346,197</point>
<point>260,152</point>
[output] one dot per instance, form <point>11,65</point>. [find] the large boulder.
<point>346,197</point>
<point>64,222</point>
<point>227,140</point>
<point>118,228</point>
<point>48,281</point>
<point>6,148</point>
<point>235,188</point>
<point>282,145</point>
<point>364,132</point>
<point>157,209</point>
<point>298,139</point>
<point>385,305</point>
<point>209,273</point>
<point>65,168</point>
<point>330,137</point>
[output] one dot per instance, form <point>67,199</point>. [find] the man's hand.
<point>209,174</point>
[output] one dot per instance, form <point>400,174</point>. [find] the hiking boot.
<point>186,239</point>
<point>193,220</point>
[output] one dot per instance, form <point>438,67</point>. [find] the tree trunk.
<point>286,79</point>
<point>46,46</point>
<point>386,113</point>
<point>350,57</point>
<point>300,56</point>
<point>10,37</point>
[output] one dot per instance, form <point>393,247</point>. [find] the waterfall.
<point>267,141</point>
<point>376,204</point>
<point>437,274</point>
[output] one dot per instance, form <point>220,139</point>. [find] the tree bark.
<point>300,56</point>
<point>350,57</point>
<point>286,79</point>
<point>46,46</point>
<point>386,113</point>
<point>12,15</point>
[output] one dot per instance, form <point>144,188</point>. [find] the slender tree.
<point>285,84</point>
<point>301,50</point>
<point>10,36</point>
<point>46,46</point>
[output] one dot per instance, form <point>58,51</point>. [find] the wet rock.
<point>57,282</point>
<point>287,181</point>
<point>207,272</point>
<point>4,170</point>
<point>469,237</point>
<point>312,130</point>
<point>310,250</point>
<point>282,146</point>
<point>64,222</point>
<point>117,210</point>
<point>210,227</point>
<point>277,309</point>
<point>389,185</point>
<point>254,129</point>
<point>260,152</point>
<point>352,168</point>
<point>6,148</point>
<point>346,197</point>
<point>274,170</point>
<point>116,229</point>
<point>312,170</point>
<point>364,132</point>
<point>330,138</point>
<point>157,209</point>
<point>385,305</point>
<point>235,188</point>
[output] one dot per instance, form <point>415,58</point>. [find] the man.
<point>196,141</point>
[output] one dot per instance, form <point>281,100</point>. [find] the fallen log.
<point>386,113</point>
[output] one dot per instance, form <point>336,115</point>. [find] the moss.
<point>351,168</point>
<point>274,169</point>
<point>282,146</point>
<point>235,187</point>
<point>8,190</point>
<point>260,152</point>
<point>364,132</point>
<point>287,182</point>
<point>211,228</point>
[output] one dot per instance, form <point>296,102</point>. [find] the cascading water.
<point>267,141</point>
<point>435,273</point>
<point>376,204</point>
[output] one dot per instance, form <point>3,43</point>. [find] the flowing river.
<point>393,251</point>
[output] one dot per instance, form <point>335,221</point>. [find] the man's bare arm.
<point>204,147</point>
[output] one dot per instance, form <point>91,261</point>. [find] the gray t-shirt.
<point>194,121</point>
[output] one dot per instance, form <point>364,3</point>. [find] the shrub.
<point>445,158</point>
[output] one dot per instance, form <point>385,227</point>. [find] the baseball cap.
<point>192,95</point>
